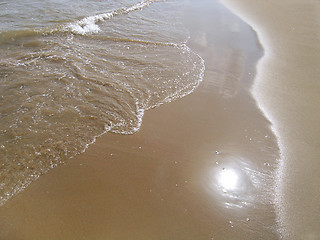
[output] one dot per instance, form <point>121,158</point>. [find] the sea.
<point>71,71</point>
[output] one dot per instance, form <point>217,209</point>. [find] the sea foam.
<point>89,24</point>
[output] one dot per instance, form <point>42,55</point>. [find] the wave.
<point>89,24</point>
<point>62,89</point>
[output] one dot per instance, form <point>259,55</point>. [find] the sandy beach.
<point>235,159</point>
<point>287,88</point>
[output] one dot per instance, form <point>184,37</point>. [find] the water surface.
<point>73,70</point>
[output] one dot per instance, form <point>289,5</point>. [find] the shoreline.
<point>200,167</point>
<point>296,42</point>
<point>267,112</point>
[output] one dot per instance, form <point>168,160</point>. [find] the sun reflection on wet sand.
<point>228,179</point>
<point>236,183</point>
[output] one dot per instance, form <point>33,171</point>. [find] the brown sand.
<point>201,167</point>
<point>287,88</point>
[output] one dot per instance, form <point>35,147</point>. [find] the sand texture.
<point>207,166</point>
<point>287,88</point>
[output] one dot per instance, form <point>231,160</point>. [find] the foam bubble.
<point>90,24</point>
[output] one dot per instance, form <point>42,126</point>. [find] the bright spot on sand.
<point>228,179</point>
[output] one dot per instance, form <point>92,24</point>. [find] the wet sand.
<point>202,167</point>
<point>287,89</point>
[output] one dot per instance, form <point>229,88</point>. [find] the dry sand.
<point>202,167</point>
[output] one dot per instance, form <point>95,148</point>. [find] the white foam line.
<point>256,92</point>
<point>89,24</point>
<point>188,89</point>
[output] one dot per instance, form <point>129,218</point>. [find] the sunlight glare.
<point>228,179</point>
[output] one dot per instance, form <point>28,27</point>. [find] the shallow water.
<point>80,69</point>
<point>201,167</point>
